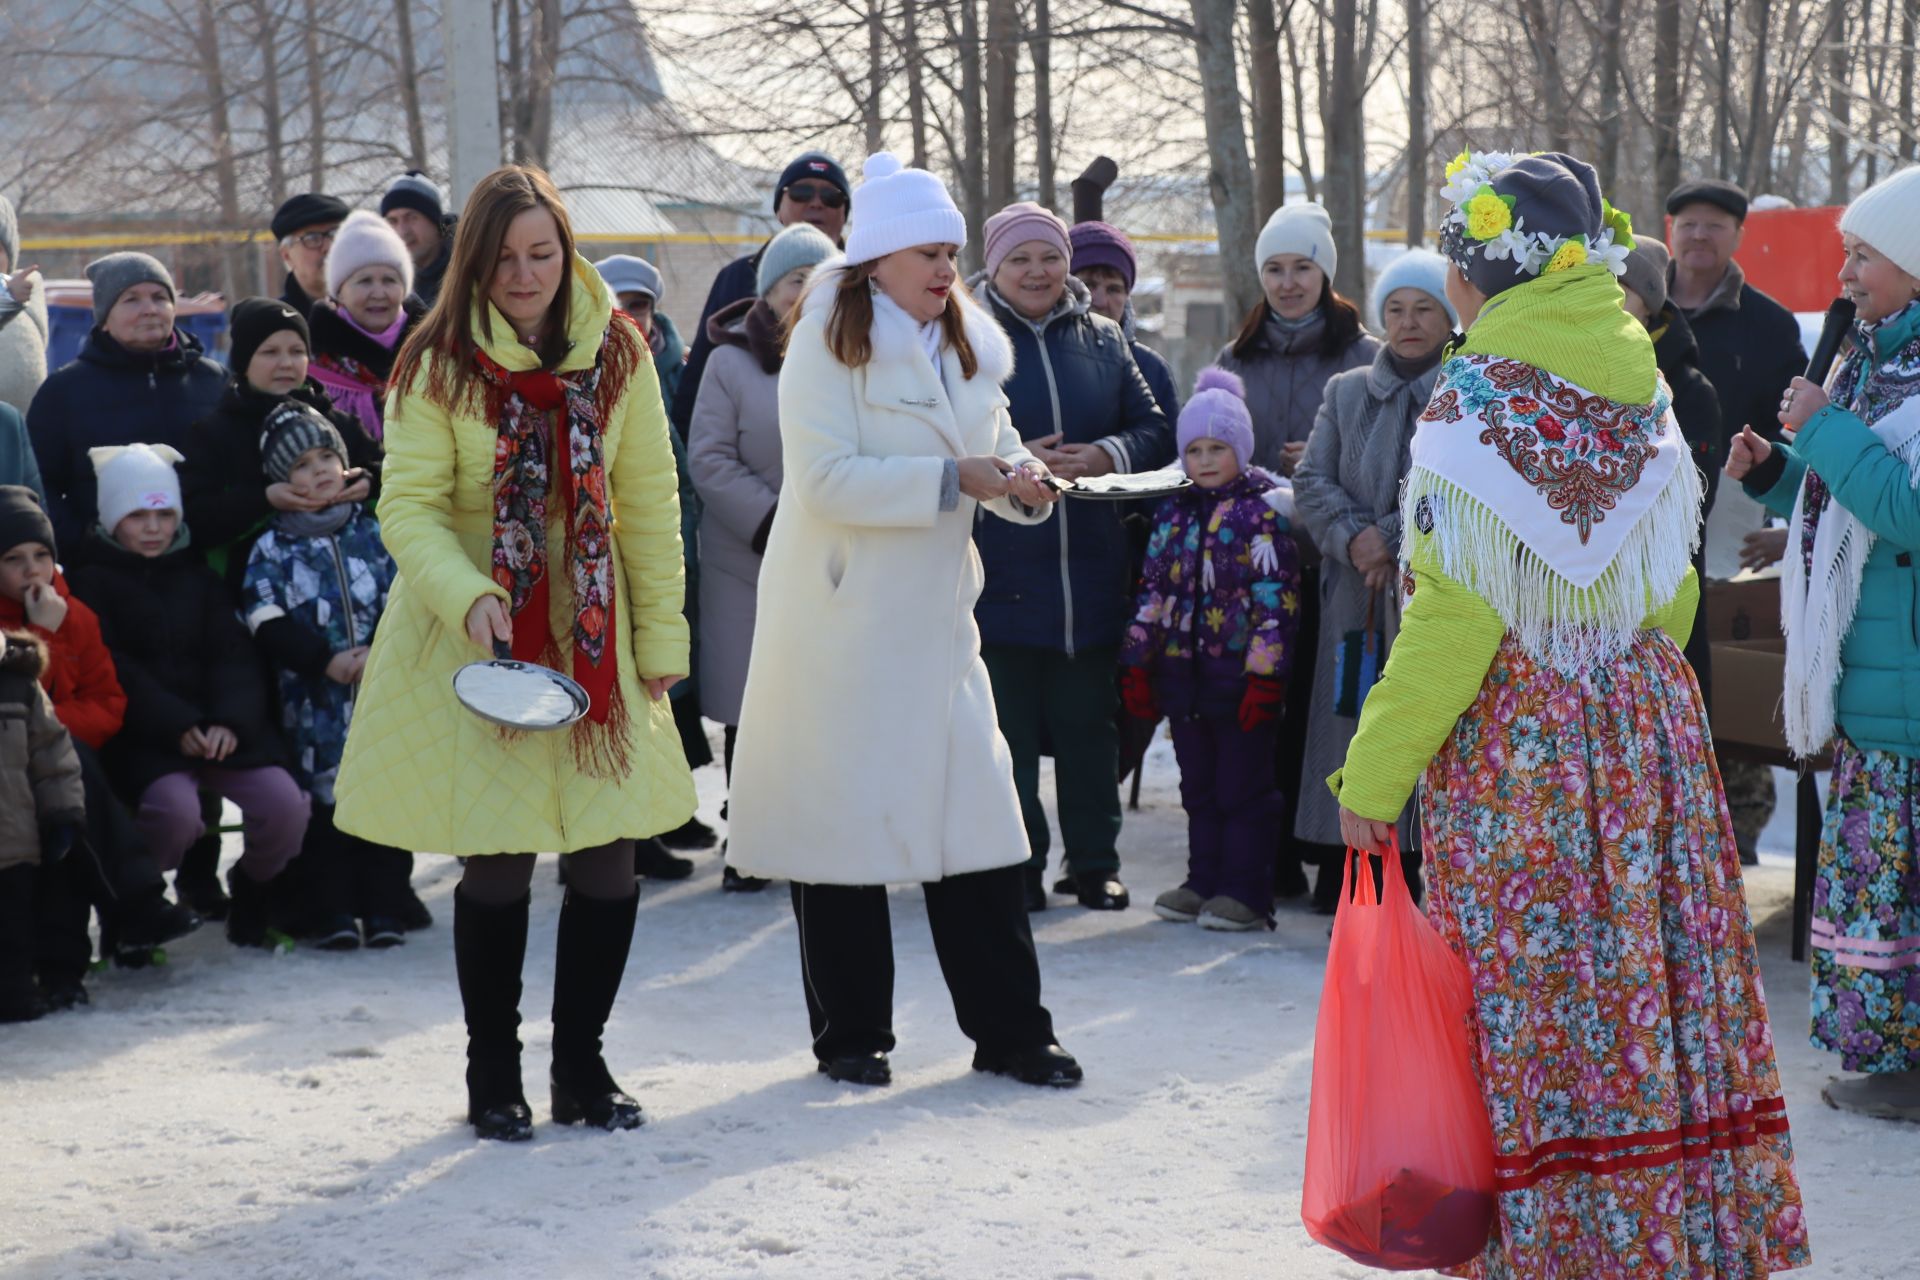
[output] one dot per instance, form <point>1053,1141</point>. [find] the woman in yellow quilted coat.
<point>530,497</point>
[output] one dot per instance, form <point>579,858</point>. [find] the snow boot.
<point>489,947</point>
<point>1230,915</point>
<point>655,860</point>
<point>20,999</point>
<point>589,959</point>
<point>1182,905</point>
<point>150,921</point>
<point>691,834</point>
<point>249,913</point>
<point>1892,1095</point>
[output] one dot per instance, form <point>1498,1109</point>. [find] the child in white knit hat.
<point>196,696</point>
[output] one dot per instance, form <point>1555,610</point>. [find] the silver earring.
<point>873,287</point>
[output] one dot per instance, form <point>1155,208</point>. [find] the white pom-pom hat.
<point>135,477</point>
<point>897,208</point>
<point>365,240</point>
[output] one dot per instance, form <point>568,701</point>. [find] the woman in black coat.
<point>228,499</point>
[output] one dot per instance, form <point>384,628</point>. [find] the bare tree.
<point>1418,142</point>
<point>1040,51</point>
<point>1230,174</point>
<point>1269,108</point>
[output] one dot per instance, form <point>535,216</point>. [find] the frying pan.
<point>519,695</point>
<point>1137,487</point>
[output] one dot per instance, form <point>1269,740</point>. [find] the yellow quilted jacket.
<point>423,773</point>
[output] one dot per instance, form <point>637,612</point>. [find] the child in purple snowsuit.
<point>1210,645</point>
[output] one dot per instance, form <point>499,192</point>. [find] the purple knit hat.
<point>1218,411</point>
<point>1101,244</point>
<point>1018,223</point>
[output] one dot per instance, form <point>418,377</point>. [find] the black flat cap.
<point>309,209</point>
<point>1725,195</point>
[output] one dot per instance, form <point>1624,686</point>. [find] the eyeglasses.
<point>313,239</point>
<point>826,193</point>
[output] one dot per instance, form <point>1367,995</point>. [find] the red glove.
<point>1261,703</point>
<point>1136,694</point>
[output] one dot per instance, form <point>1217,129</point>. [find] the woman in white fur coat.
<point>869,753</point>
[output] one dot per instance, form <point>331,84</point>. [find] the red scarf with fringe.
<point>523,406</point>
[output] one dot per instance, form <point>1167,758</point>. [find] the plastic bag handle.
<point>1368,898</point>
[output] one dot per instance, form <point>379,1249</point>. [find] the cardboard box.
<point>1742,610</point>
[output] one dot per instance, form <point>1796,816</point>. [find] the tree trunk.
<point>546,63</point>
<point>225,175</point>
<point>1040,49</point>
<point>517,87</point>
<point>1419,145</point>
<point>1543,40</point>
<point>1343,125</point>
<point>876,78</point>
<point>1231,175</point>
<point>1296,69</point>
<point>913,55</point>
<point>273,122</point>
<point>316,100</point>
<point>1909,34</point>
<point>1839,154</point>
<point>973,175</point>
<point>1756,167</point>
<point>408,61</point>
<point>1269,109</point>
<point>1723,103</point>
<point>1610,119</point>
<point>1003,51</point>
<point>1666,98</point>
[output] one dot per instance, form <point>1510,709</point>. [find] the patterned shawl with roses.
<point>525,405</point>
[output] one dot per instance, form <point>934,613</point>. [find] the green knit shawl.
<point>1571,324</point>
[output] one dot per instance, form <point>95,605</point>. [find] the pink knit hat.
<point>1018,223</point>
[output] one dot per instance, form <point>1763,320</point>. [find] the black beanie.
<point>254,320</point>
<point>416,191</point>
<point>23,519</point>
<point>810,164</point>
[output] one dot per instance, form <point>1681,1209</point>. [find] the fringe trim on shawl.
<point>1817,609</point>
<point>1572,629</point>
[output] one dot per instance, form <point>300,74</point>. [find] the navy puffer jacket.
<point>1064,585</point>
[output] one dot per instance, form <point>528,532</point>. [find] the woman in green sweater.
<point>1580,859</point>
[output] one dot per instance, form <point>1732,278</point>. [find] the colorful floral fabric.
<point>1866,913</point>
<point>1221,581</point>
<point>1582,863</point>
<point>1578,450</point>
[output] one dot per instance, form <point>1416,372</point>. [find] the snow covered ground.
<point>301,1116</point>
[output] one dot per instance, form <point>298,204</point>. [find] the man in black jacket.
<point>416,210</point>
<point>813,188</point>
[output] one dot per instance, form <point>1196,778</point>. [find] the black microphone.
<point>1832,333</point>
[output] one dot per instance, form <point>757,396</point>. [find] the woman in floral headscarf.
<point>1581,861</point>
<point>1848,482</point>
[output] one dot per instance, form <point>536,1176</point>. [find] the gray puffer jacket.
<point>39,772</point>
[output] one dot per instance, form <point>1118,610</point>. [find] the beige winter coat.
<point>869,751</point>
<point>39,772</point>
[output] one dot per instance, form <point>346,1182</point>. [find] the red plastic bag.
<point>1399,1150</point>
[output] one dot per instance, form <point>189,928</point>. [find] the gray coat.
<point>1350,480</point>
<point>23,349</point>
<point>733,451</point>
<point>1286,375</point>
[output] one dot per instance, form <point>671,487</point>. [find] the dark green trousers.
<point>1068,705</point>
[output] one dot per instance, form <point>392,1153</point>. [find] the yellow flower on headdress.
<point>1488,214</point>
<point>1458,163</point>
<point>1570,254</point>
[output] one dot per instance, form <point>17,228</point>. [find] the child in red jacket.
<point>80,681</point>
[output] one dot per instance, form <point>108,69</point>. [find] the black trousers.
<point>340,874</point>
<point>980,932</point>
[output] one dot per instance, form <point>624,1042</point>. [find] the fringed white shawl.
<point>1572,515</point>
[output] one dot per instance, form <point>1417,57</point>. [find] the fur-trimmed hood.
<point>22,654</point>
<point>894,337</point>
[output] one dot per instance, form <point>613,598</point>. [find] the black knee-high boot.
<point>590,958</point>
<point>489,947</point>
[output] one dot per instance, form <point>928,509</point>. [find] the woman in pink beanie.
<point>368,312</point>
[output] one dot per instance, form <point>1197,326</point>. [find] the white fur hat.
<point>365,240</point>
<point>1887,216</point>
<point>135,477</point>
<point>897,208</point>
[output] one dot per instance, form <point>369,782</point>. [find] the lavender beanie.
<point>1218,411</point>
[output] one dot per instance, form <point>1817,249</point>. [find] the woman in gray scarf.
<point>1347,500</point>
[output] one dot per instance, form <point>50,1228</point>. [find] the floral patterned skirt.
<point>1866,913</point>
<point>1582,863</point>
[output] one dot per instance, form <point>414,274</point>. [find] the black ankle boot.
<point>590,958</point>
<point>489,947</point>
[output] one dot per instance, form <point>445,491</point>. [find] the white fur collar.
<point>893,335</point>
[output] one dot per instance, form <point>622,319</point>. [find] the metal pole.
<point>473,95</point>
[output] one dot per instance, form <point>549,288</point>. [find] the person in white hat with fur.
<point>869,752</point>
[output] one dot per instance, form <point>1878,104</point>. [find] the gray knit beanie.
<point>800,245</point>
<point>1553,195</point>
<point>10,234</point>
<point>290,430</point>
<point>116,273</point>
<point>1646,272</point>
<point>416,191</point>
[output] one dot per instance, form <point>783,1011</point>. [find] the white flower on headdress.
<point>1606,253</point>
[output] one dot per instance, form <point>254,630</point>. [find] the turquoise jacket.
<point>1878,706</point>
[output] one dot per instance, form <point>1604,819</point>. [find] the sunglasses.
<point>826,193</point>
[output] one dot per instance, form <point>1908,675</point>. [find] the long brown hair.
<point>447,330</point>
<point>850,323</point>
<point>1341,316</point>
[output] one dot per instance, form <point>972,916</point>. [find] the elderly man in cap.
<point>1750,350</point>
<point>813,189</point>
<point>303,227</point>
<point>416,209</point>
